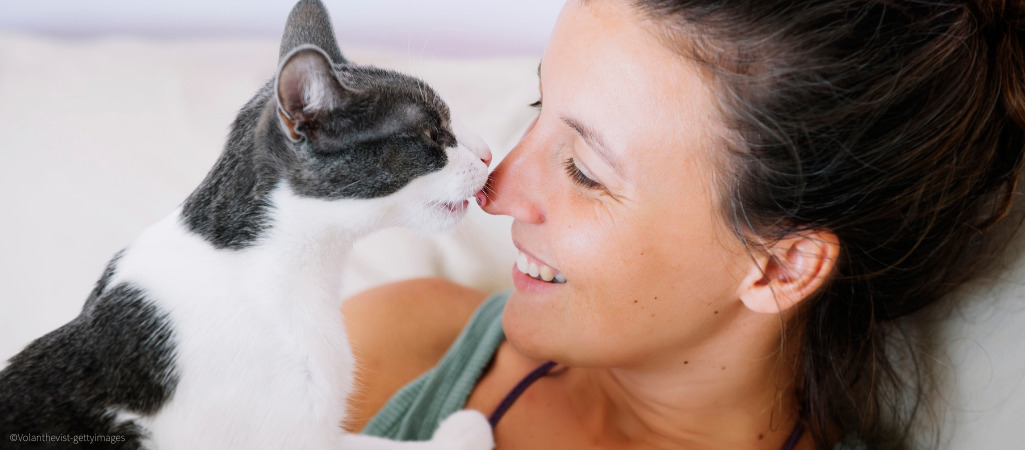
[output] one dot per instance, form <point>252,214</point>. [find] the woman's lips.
<point>536,269</point>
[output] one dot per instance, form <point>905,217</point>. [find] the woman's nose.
<point>513,188</point>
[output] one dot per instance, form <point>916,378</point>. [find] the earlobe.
<point>792,270</point>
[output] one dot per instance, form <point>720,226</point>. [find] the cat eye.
<point>579,177</point>
<point>440,137</point>
<point>432,134</point>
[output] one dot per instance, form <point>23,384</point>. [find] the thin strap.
<point>543,370</point>
<point>514,394</point>
<point>795,437</point>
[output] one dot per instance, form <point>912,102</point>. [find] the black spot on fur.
<point>117,355</point>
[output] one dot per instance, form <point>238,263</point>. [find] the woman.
<point>721,208</point>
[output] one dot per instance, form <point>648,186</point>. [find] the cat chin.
<point>436,217</point>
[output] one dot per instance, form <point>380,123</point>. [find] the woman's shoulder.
<point>399,331</point>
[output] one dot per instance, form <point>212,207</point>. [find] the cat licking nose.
<point>219,326</point>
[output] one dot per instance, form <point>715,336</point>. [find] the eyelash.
<point>571,167</point>
<point>577,176</point>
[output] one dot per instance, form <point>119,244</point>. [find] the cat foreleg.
<point>464,430</point>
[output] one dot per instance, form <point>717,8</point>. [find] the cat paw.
<point>465,430</point>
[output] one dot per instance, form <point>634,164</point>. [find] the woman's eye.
<point>536,104</point>
<point>579,177</point>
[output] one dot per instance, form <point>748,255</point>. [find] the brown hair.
<point>898,126</point>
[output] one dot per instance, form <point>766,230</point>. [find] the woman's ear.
<point>790,271</point>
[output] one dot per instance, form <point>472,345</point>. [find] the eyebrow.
<point>590,136</point>
<point>595,141</point>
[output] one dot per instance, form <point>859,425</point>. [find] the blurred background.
<point>452,28</point>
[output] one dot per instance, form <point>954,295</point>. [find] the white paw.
<point>465,430</point>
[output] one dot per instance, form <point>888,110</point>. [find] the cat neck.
<point>230,208</point>
<point>299,254</point>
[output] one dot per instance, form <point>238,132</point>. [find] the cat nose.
<point>486,158</point>
<point>477,146</point>
<point>471,141</point>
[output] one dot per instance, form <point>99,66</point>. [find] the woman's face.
<point>612,187</point>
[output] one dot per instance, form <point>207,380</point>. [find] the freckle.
<point>761,436</point>
<point>717,312</point>
<point>635,301</point>
<point>656,297</point>
<point>723,367</point>
<point>652,315</point>
<point>686,362</point>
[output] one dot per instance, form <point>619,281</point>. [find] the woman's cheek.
<point>591,255</point>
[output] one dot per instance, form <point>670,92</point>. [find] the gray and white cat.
<point>219,326</point>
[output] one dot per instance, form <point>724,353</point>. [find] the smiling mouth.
<point>538,272</point>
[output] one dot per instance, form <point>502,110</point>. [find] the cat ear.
<point>309,23</point>
<point>306,87</point>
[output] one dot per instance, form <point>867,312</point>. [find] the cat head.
<point>360,135</point>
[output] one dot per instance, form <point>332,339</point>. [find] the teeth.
<point>533,270</point>
<point>521,263</point>
<point>547,273</point>
<point>540,272</point>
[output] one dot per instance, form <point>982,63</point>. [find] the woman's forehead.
<point>606,69</point>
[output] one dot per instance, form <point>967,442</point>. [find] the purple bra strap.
<point>543,370</point>
<point>795,437</point>
<point>514,394</point>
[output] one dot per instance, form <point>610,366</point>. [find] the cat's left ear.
<point>306,88</point>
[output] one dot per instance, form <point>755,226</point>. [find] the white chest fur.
<point>261,352</point>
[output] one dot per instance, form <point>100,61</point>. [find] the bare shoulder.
<point>399,331</point>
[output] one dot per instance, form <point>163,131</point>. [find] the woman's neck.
<point>738,398</point>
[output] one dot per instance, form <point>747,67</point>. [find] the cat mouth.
<point>455,207</point>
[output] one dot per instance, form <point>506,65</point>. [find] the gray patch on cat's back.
<point>117,355</point>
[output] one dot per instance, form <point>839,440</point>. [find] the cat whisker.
<point>343,188</point>
<point>465,234</point>
<point>485,191</point>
